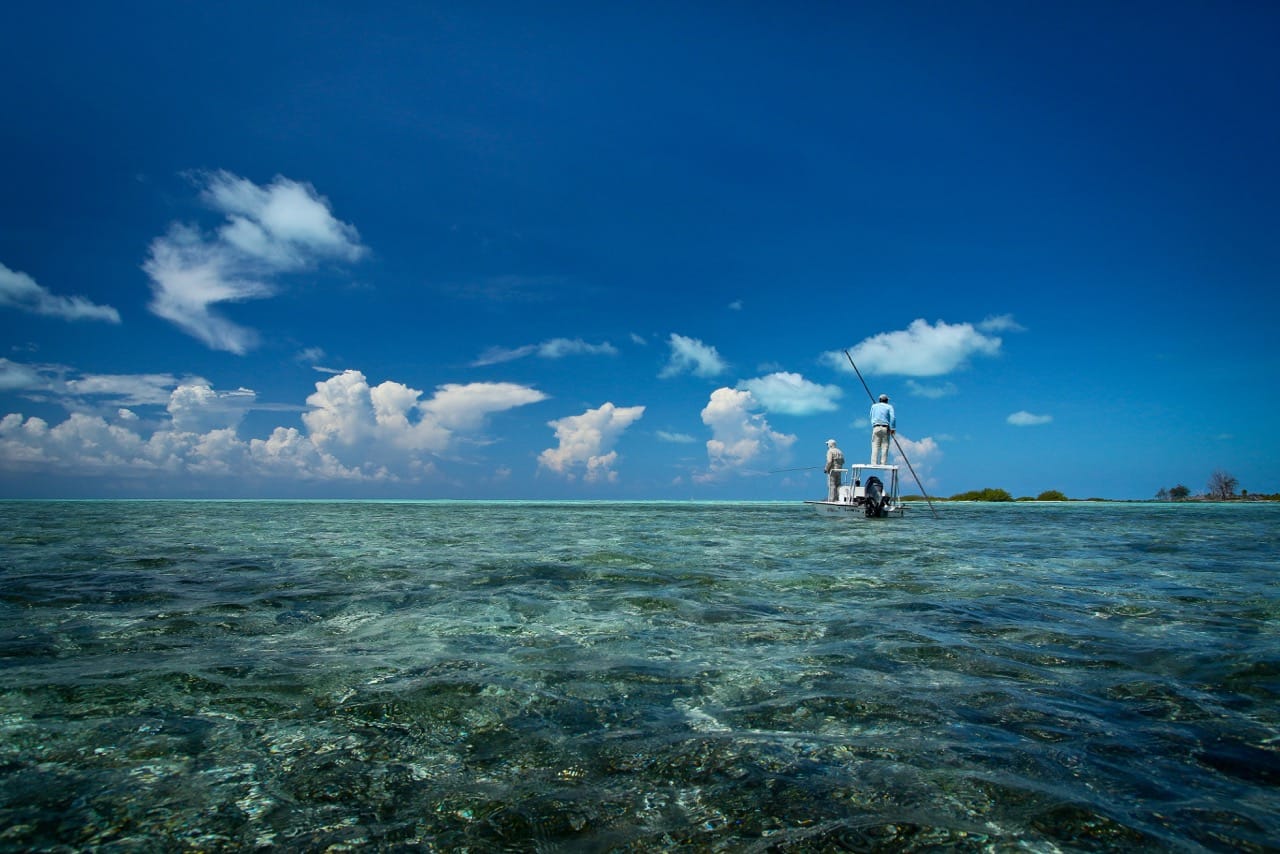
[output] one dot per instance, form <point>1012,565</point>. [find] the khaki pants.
<point>833,485</point>
<point>879,445</point>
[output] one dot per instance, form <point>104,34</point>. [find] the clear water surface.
<point>630,677</point>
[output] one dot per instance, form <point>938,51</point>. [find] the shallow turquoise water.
<point>595,677</point>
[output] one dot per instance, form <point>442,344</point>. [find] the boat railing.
<point>853,487</point>
<point>852,490</point>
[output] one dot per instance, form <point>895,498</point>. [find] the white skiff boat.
<point>867,491</point>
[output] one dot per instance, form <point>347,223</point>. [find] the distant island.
<point>1221,487</point>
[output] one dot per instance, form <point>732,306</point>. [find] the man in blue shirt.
<point>883,425</point>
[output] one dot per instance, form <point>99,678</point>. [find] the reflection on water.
<point>637,676</point>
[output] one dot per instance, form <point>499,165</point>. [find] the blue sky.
<point>616,251</point>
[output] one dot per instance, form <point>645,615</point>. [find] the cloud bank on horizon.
<point>351,430</point>
<point>152,425</point>
<point>356,432</point>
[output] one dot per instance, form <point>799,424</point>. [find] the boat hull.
<point>868,485</point>
<point>847,509</point>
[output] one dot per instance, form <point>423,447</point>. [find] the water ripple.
<point>216,676</point>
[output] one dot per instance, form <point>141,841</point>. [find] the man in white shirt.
<point>835,462</point>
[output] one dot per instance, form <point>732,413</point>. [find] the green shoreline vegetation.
<point>1221,487</point>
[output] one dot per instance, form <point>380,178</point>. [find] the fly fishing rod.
<point>894,435</point>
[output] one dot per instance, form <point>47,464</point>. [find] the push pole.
<point>894,435</point>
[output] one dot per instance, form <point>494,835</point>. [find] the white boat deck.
<point>851,495</point>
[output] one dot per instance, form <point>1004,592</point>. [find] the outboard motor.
<point>875,497</point>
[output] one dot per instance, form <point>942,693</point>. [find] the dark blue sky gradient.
<point>773,181</point>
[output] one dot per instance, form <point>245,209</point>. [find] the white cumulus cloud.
<point>199,409</point>
<point>1023,418</point>
<point>466,406</point>
<point>740,434</point>
<point>587,440</point>
<point>283,227</point>
<point>362,422</point>
<point>18,290</point>
<point>83,443</point>
<point>354,432</point>
<point>923,456</point>
<point>792,394</point>
<point>920,350</point>
<point>290,454</point>
<point>689,355</point>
